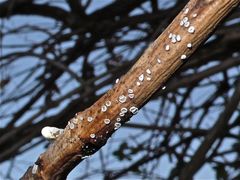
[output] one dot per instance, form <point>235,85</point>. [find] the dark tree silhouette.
<point>59,57</point>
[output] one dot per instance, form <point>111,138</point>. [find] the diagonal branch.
<point>89,130</point>
<point>216,131</point>
<point>24,8</point>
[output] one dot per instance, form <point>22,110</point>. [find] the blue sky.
<point>30,156</point>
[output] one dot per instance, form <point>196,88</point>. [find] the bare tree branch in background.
<point>68,54</point>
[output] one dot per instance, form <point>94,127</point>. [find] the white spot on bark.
<point>51,132</point>
<point>167,47</point>
<point>75,120</point>
<point>108,103</point>
<point>187,24</point>
<point>181,23</point>
<point>121,114</point>
<point>148,71</point>
<point>34,169</point>
<point>191,29</point>
<point>149,79</point>
<point>195,15</point>
<point>133,110</point>
<point>117,125</point>
<point>104,108</point>
<point>174,39</point>
<point>92,136</point>
<point>122,99</point>
<point>84,157</point>
<point>107,121</point>
<point>189,45</point>
<point>71,125</point>
<point>90,119</point>
<point>131,96</point>
<point>178,37</point>
<point>183,57</point>
<point>130,91</point>
<point>141,77</point>
<point>186,11</point>
<point>124,110</point>
<point>185,19</point>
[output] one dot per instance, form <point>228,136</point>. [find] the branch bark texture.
<point>89,130</point>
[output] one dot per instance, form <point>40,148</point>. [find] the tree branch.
<point>218,129</point>
<point>36,9</point>
<point>89,130</point>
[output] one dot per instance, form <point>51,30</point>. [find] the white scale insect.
<point>183,57</point>
<point>34,169</point>
<point>148,71</point>
<point>92,136</point>
<point>90,119</point>
<point>131,96</point>
<point>51,133</point>
<point>124,110</point>
<point>189,45</point>
<point>117,125</point>
<point>141,78</point>
<point>130,91</point>
<point>104,108</point>
<point>122,99</point>
<point>167,47</point>
<point>133,110</point>
<point>107,121</point>
<point>191,29</point>
<point>108,103</point>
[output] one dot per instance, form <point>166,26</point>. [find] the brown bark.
<point>150,73</point>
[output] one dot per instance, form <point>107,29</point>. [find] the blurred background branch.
<point>58,57</point>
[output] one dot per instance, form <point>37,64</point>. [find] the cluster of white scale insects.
<point>53,132</point>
